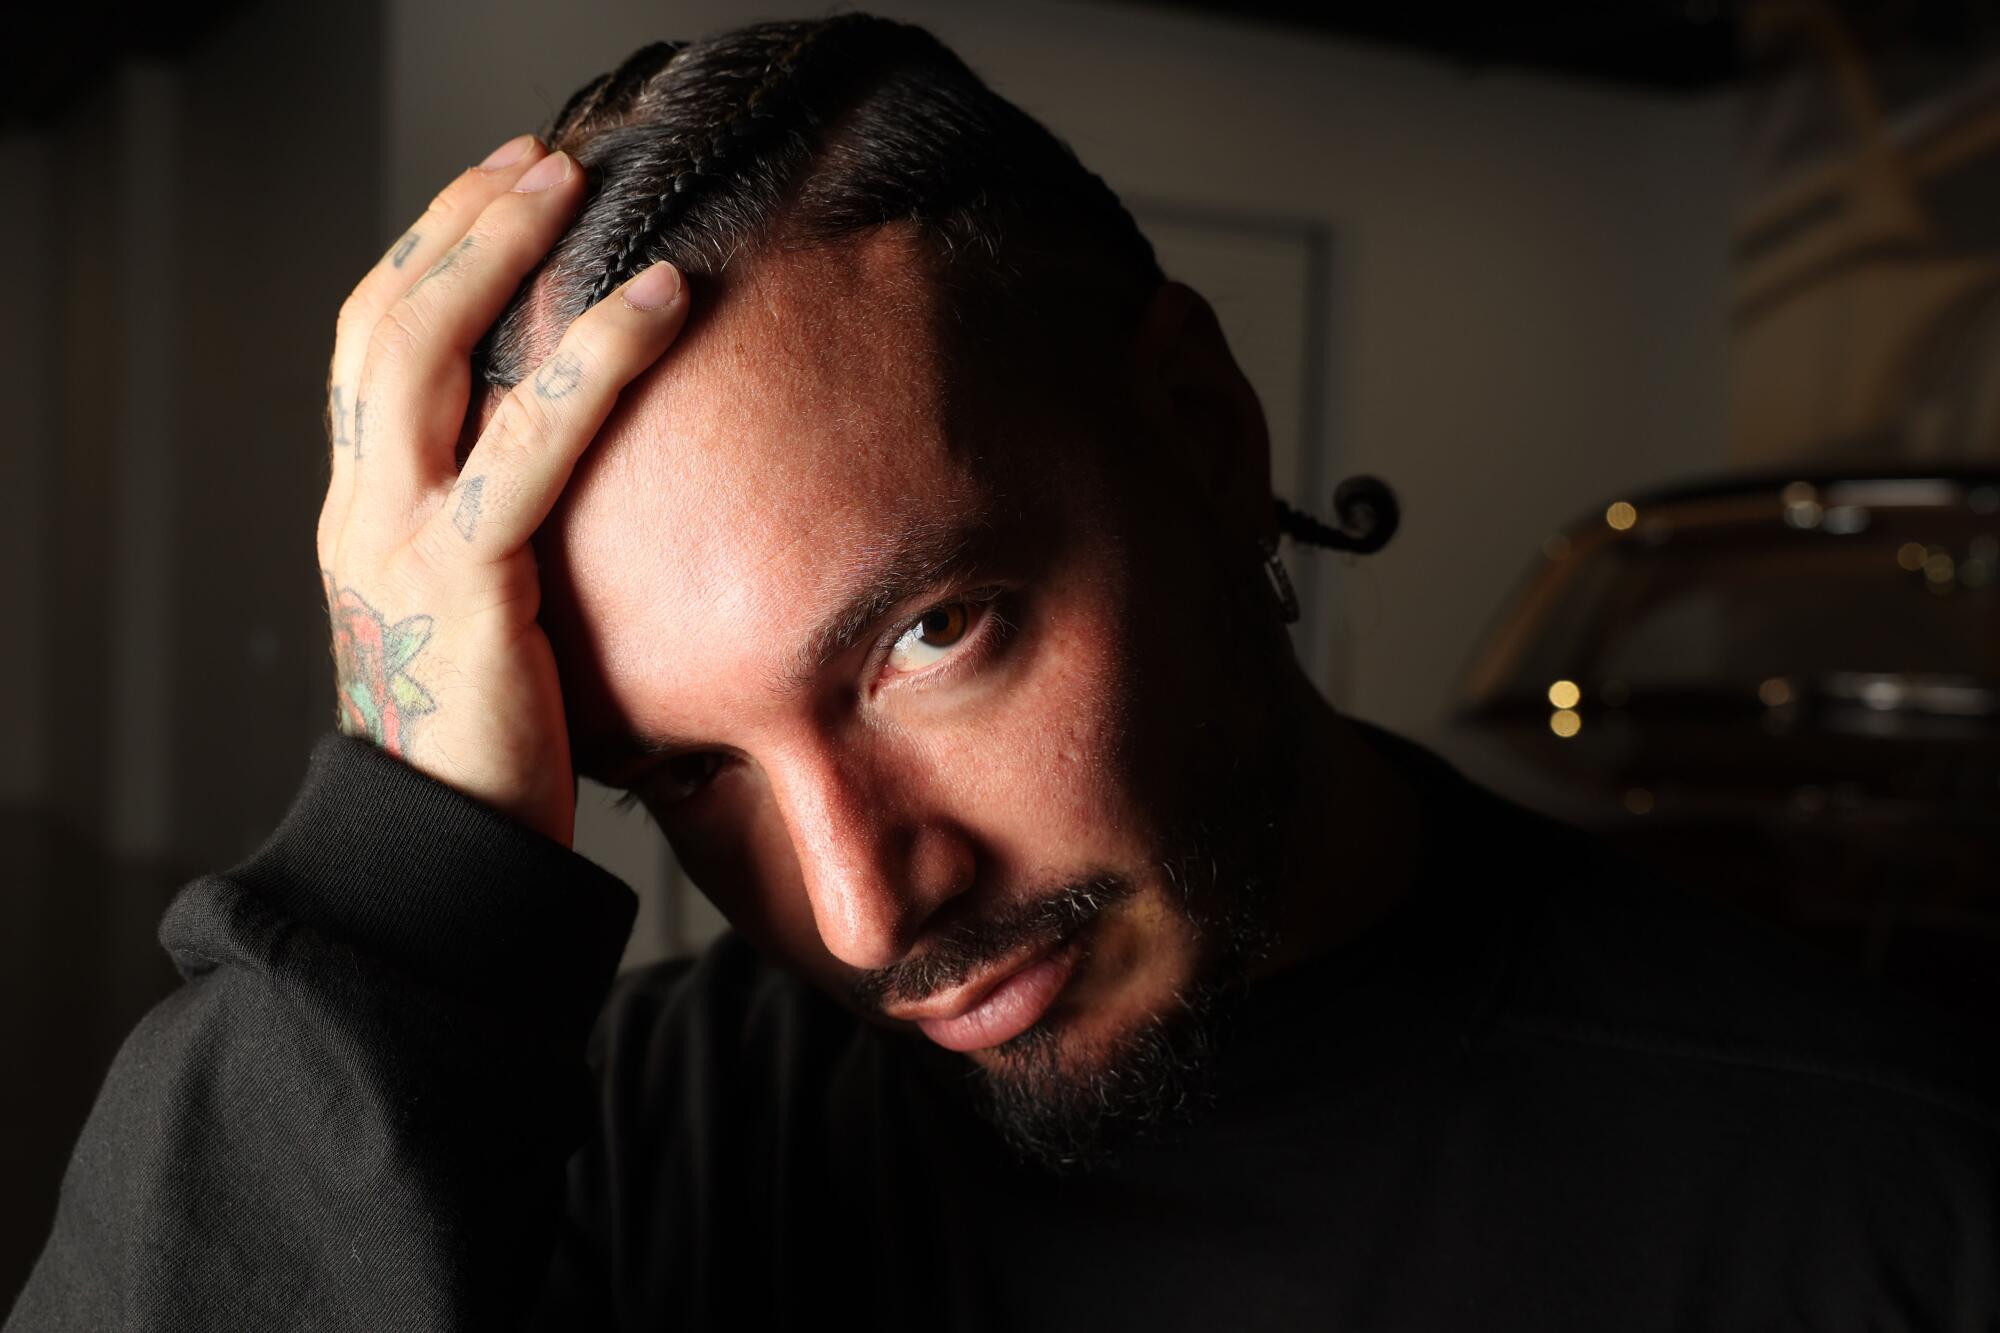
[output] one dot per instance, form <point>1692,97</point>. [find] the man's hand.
<point>430,578</point>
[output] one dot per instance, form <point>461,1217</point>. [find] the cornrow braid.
<point>807,133</point>
<point>712,158</point>
<point>609,97</point>
<point>1367,511</point>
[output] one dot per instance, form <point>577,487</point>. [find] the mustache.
<point>969,946</point>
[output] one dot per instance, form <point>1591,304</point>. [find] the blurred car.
<point>1782,690</point>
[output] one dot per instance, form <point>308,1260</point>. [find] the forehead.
<point>748,479</point>
<point>813,371</point>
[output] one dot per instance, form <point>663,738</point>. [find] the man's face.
<point>950,698</point>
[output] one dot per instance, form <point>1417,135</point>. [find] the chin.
<point>1125,1054</point>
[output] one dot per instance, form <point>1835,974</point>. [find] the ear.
<point>1195,401</point>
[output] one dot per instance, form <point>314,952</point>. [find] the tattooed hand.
<point>430,580</point>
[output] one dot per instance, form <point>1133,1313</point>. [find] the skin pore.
<point>932,667</point>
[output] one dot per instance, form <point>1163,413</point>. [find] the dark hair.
<point>809,131</point>
<point>805,132</point>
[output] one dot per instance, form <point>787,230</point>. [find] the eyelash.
<point>990,624</point>
<point>984,604</point>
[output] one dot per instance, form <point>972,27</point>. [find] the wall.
<point>27,458</point>
<point>174,248</point>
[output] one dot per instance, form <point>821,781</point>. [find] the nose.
<point>875,865</point>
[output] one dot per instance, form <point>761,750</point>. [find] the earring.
<point>1281,582</point>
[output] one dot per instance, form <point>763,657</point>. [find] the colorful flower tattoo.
<point>378,699</point>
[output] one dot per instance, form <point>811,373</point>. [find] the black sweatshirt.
<point>1547,1093</point>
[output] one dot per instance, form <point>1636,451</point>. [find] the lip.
<point>1002,1005</point>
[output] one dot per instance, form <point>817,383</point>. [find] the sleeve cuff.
<point>444,886</point>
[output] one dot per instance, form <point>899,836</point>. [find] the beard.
<point>1074,1107</point>
<point>1071,1105</point>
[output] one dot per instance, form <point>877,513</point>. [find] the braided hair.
<point>708,156</point>
<point>808,131</point>
<point>803,132</point>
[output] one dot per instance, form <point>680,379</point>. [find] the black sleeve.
<point>356,1109</point>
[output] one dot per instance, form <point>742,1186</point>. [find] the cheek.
<point>1036,766</point>
<point>1053,772</point>
<point>1057,759</point>
<point>1038,774</point>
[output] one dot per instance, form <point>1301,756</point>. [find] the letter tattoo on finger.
<point>448,262</point>
<point>559,376</point>
<point>465,517</point>
<point>338,416</point>
<point>402,250</point>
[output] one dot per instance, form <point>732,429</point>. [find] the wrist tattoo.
<point>378,698</point>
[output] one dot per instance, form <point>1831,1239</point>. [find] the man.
<point>1089,971</point>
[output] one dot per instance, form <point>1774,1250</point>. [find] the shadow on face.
<point>896,648</point>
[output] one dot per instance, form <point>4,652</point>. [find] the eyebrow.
<point>920,557</point>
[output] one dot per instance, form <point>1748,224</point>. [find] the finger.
<point>417,373</point>
<point>524,457</point>
<point>450,215</point>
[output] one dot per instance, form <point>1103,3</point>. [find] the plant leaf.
<point>411,697</point>
<point>364,705</point>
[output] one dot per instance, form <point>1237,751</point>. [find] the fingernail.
<point>656,287</point>
<point>507,152</point>
<point>551,170</point>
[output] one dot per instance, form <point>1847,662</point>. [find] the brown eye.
<point>934,634</point>
<point>944,626</point>
<point>685,774</point>
<point>674,779</point>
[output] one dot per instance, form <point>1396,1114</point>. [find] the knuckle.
<point>459,193</point>
<point>511,215</point>
<point>451,198</point>
<point>327,537</point>
<point>356,312</point>
<point>602,333</point>
<point>596,348</point>
<point>398,334</point>
<point>434,554</point>
<point>517,424</point>
<point>445,561</point>
<point>611,349</point>
<point>576,363</point>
